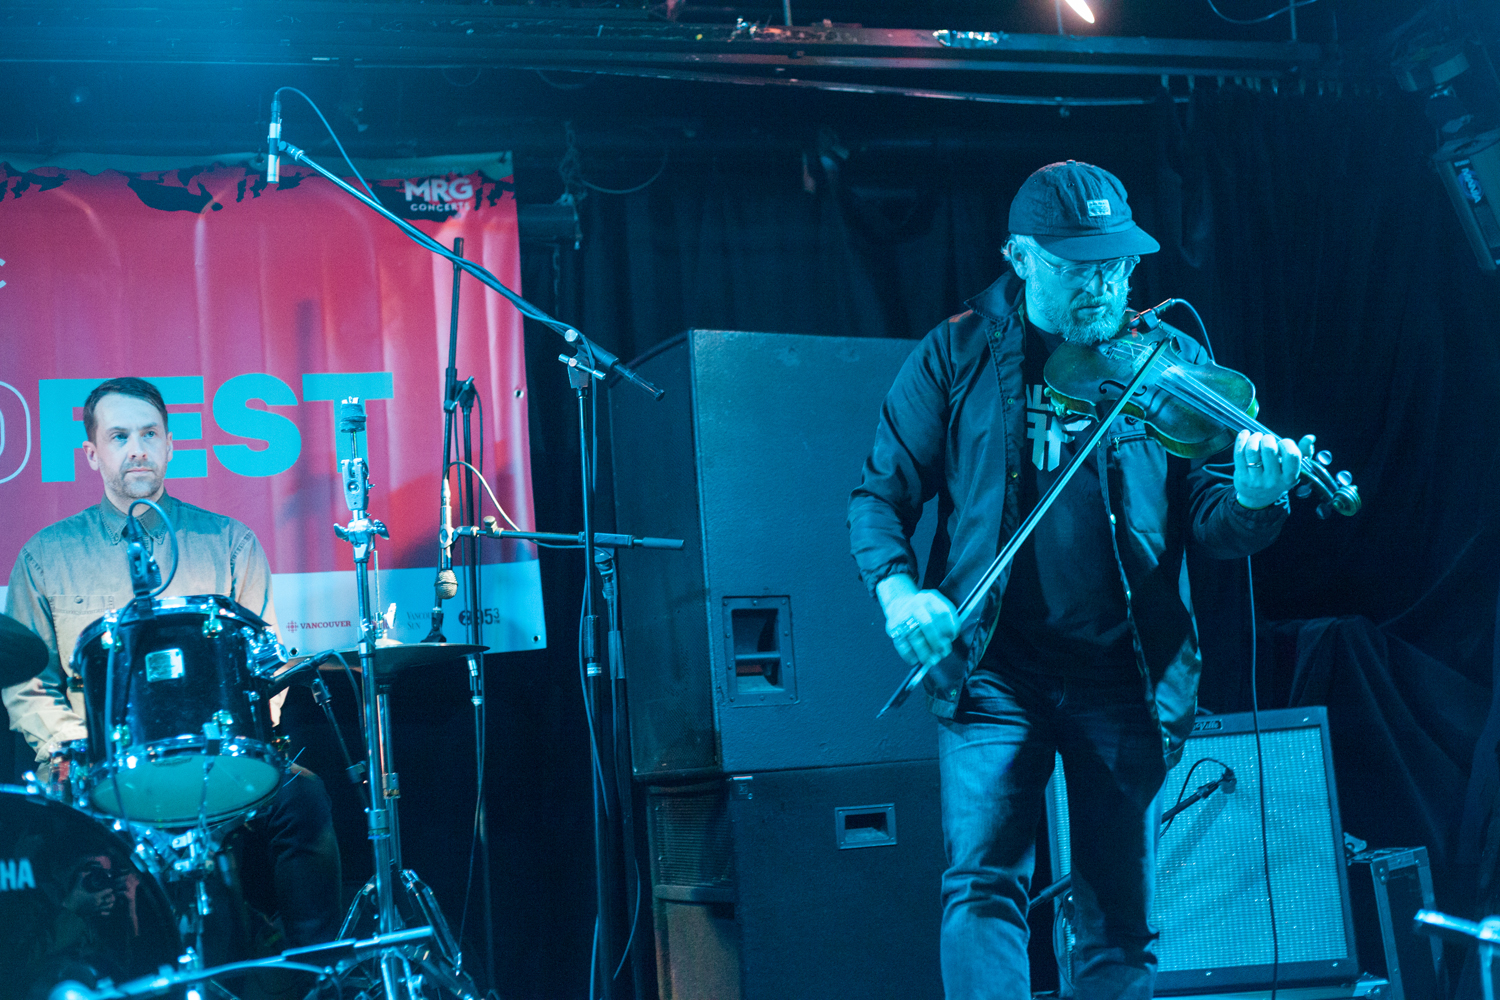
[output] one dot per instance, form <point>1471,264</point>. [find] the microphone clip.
<point>1145,322</point>
<point>145,574</point>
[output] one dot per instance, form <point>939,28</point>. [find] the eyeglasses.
<point>1078,275</point>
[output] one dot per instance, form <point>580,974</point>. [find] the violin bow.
<point>971,604</point>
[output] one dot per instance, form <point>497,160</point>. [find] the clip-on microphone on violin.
<point>1150,319</point>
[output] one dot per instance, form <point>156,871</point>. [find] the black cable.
<point>666,153</point>
<point>479,748</point>
<point>171,536</point>
<point>332,135</point>
<point>427,242</point>
<point>1182,793</point>
<point>359,699</point>
<point>1260,783</point>
<point>1202,330</point>
<point>116,639</point>
<point>1259,20</point>
<point>635,916</point>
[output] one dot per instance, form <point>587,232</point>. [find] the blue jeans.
<point>995,757</point>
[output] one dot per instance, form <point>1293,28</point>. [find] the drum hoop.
<point>205,605</point>
<point>229,746</point>
<point>242,746</point>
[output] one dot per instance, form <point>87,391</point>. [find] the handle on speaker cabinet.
<point>758,651</point>
<point>865,826</point>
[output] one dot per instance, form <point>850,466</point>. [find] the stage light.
<point>1463,105</point>
<point>1082,10</point>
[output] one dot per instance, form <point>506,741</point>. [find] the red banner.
<point>255,309</point>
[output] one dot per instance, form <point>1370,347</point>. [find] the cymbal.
<point>398,657</point>
<point>22,653</point>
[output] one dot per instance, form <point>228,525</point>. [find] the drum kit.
<point>117,875</point>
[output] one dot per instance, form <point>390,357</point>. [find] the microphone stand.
<point>604,560</point>
<point>579,376</point>
<point>323,959</point>
<point>360,533</point>
<point>608,361</point>
<point>1065,883</point>
<point>456,394</point>
<point>450,402</point>
<point>602,545</point>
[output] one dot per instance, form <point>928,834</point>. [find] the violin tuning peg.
<point>1304,491</point>
<point>1343,478</point>
<point>1324,457</point>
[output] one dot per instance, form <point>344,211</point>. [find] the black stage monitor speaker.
<point>1211,906</point>
<point>799,885</point>
<point>756,647</point>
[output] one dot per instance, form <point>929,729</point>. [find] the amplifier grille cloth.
<point>1210,886</point>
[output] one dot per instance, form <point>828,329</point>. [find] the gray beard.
<point>1089,334</point>
<point>1104,328</point>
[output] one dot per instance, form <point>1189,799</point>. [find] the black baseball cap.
<point>1078,211</point>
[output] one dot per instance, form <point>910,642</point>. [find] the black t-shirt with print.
<point>1063,611</point>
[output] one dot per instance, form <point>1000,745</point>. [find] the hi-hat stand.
<point>380,896</point>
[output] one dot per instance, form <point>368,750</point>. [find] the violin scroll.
<point>1339,492</point>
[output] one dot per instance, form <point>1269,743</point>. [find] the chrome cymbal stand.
<point>444,968</point>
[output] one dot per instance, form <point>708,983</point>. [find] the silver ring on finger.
<point>905,629</point>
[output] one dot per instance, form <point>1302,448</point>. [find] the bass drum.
<point>73,903</point>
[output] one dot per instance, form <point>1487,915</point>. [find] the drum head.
<point>168,783</point>
<point>73,905</point>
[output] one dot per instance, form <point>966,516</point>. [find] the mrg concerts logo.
<point>437,195</point>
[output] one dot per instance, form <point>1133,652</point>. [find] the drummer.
<point>73,572</point>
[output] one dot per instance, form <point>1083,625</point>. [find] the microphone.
<point>445,587</point>
<point>447,583</point>
<point>273,142</point>
<point>145,575</point>
<point>1149,320</point>
<point>1228,783</point>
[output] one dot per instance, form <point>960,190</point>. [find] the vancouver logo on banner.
<point>254,309</point>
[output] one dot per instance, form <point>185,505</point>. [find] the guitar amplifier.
<point>1211,905</point>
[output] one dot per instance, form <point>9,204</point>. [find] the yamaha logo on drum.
<point>15,873</point>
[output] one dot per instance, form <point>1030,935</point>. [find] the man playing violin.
<point>72,572</point>
<point>1085,646</point>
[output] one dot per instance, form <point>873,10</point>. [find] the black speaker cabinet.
<point>1211,906</point>
<point>756,647</point>
<point>1470,171</point>
<point>799,885</point>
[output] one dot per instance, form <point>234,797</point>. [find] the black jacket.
<point>953,427</point>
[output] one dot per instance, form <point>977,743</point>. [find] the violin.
<point>1191,410</point>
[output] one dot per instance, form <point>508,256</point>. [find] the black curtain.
<point>1314,239</point>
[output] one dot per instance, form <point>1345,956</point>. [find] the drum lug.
<point>218,725</point>
<point>212,626</point>
<point>107,640</point>
<point>120,736</point>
